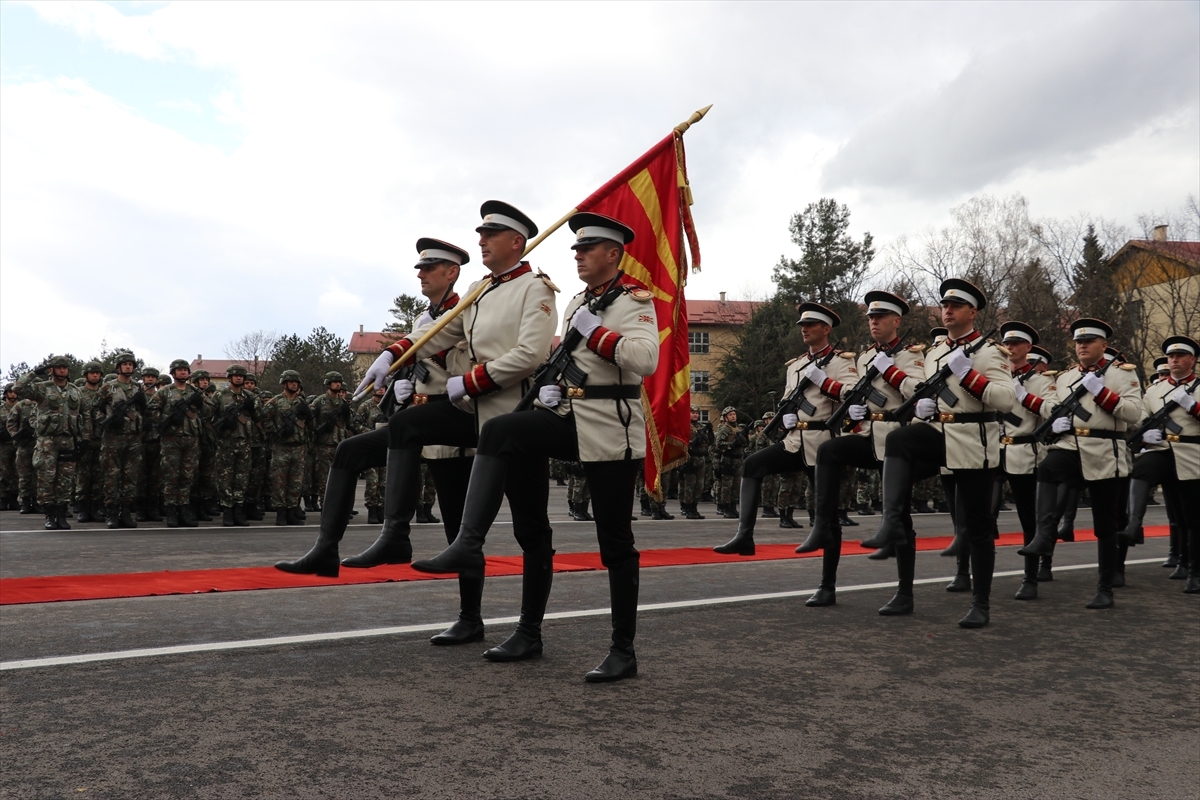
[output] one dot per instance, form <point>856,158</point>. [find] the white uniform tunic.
<point>1187,455</point>
<point>841,377</point>
<point>987,388</point>
<point>1022,457</point>
<point>896,385</point>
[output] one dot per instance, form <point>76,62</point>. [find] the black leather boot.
<point>112,517</point>
<point>1047,512</point>
<point>538,574</point>
<point>742,543</point>
<point>1106,552</point>
<point>485,491</point>
<point>897,483</point>
<point>295,515</point>
<point>621,661</point>
<point>399,503</point>
<point>581,510</point>
<point>769,512</point>
<point>419,516</point>
<point>227,516</point>
<point>322,559</point>
<point>1172,547</point>
<point>201,509</point>
<point>844,519</point>
<point>83,510</point>
<point>1045,572</point>
<point>172,516</point>
<point>1068,505</point>
<point>1139,496</point>
<point>254,510</point>
<point>646,510</point>
<point>61,517</point>
<point>187,518</point>
<point>786,518</point>
<point>469,626</point>
<point>1028,590</point>
<point>825,496</point>
<point>660,511</point>
<point>139,511</point>
<point>126,516</point>
<point>152,514</point>
<point>983,564</point>
<point>239,515</point>
<point>731,512</point>
<point>691,512</point>
<point>26,505</point>
<point>899,605</point>
<point>883,553</point>
<point>281,517</point>
<point>51,523</point>
<point>961,583</point>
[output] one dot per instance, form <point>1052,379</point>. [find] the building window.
<point>698,342</point>
<point>700,381</point>
<point>704,415</point>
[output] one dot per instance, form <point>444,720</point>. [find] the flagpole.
<point>693,119</point>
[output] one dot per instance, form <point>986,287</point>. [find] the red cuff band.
<point>895,376</point>
<point>603,343</point>
<point>1108,399</point>
<point>1195,412</point>
<point>478,382</point>
<point>975,383</point>
<point>831,388</point>
<point>400,348</point>
<point>1033,403</point>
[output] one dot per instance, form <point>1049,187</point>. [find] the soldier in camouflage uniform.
<point>579,494</point>
<point>788,497</point>
<point>691,474</point>
<point>288,419</point>
<point>89,482</point>
<point>259,452</point>
<point>730,448</point>
<point>176,410</point>
<point>557,473</point>
<point>234,414</point>
<point>331,418</point>
<point>8,456</point>
<point>56,423</point>
<point>19,425</point>
<point>150,484</point>
<point>122,402</point>
<point>424,512</point>
<point>310,465</point>
<point>369,416</point>
<point>204,489</point>
<point>868,491</point>
<point>770,485</point>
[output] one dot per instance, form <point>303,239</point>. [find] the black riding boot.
<point>621,662</point>
<point>826,594</point>
<point>399,502</point>
<point>1139,497</point>
<point>742,543</point>
<point>1118,580</point>
<point>485,491</point>
<point>1106,551</point>
<point>469,626</point>
<point>1029,581</point>
<point>983,564</point>
<point>1068,505</point>
<point>538,574</point>
<point>1047,512</point>
<point>897,482</point>
<point>825,527</point>
<point>883,553</point>
<point>1185,555</point>
<point>1045,572</point>
<point>1173,534</point>
<point>906,567</point>
<point>322,559</point>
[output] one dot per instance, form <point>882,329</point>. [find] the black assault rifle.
<point>1159,419</point>
<point>560,364</point>
<point>796,401</point>
<point>287,423</point>
<point>1071,407</point>
<point>175,415</point>
<point>117,416</point>
<point>862,392</point>
<point>936,386</point>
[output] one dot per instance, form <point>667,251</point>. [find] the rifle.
<point>288,422</point>
<point>229,418</point>
<point>330,420</point>
<point>1071,407</point>
<point>117,416</point>
<point>560,364</point>
<point>1159,419</point>
<point>862,393</point>
<point>796,401</point>
<point>174,416</point>
<point>25,432</point>
<point>936,386</point>
<point>1008,416</point>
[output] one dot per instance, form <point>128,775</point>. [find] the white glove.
<point>456,387</point>
<point>959,363</point>
<point>423,320</point>
<point>377,373</point>
<point>1061,425</point>
<point>585,321</point>
<point>1152,436</point>
<point>926,408</point>
<point>550,395</point>
<point>815,374</point>
<point>856,412</point>
<point>1183,399</point>
<point>1092,382</point>
<point>790,421</point>
<point>882,362</point>
<point>404,389</point>
<point>1022,393</point>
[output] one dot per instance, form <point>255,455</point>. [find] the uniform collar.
<point>451,302</point>
<point>1024,369</point>
<point>1095,367</point>
<point>516,272</point>
<point>823,351</point>
<point>970,337</point>
<point>1183,382</point>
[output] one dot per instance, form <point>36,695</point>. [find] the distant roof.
<point>217,366</point>
<point>371,341</point>
<point>1187,252</point>
<point>721,312</point>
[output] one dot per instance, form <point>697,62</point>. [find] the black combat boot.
<point>844,519</point>
<point>1068,505</point>
<point>172,516</point>
<point>660,511</point>
<point>1106,551</point>
<point>212,507</point>
<point>469,625</point>
<point>152,512</point>
<point>239,515</point>
<point>538,575</point>
<point>621,661</point>
<point>1047,510</point>
<point>742,543</point>
<point>294,515</point>
<point>786,518</point>
<point>27,505</point>
<point>201,509</point>
<point>253,511</point>
<point>83,511</point>
<point>731,511</point>
<point>281,517</point>
<point>310,503</point>
<point>112,517</point>
<point>1139,496</point>
<point>883,553</point>
<point>227,517</point>
<point>897,482</point>
<point>322,559</point>
<point>429,514</point>
<point>140,511</point>
<point>374,515</point>
<point>392,545</point>
<point>825,521</point>
<point>646,510</point>
<point>581,512</point>
<point>691,512</point>
<point>51,523</point>
<point>187,518</point>
<point>61,517</point>
<point>485,491</point>
<point>419,517</point>
<point>126,516</point>
<point>769,512</point>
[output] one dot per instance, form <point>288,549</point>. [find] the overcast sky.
<point>175,175</point>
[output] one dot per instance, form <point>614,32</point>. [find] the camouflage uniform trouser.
<point>578,491</point>
<point>770,488</point>
<point>428,490</point>
<point>233,470</point>
<point>151,488</point>
<point>670,484</point>
<point>376,478</point>
<point>322,461</point>
<point>26,477</point>
<point>179,461</point>
<point>205,487</point>
<point>869,488</point>
<point>691,484</point>
<point>55,476</point>
<point>8,468</point>
<point>256,484</point>
<point>121,463</point>
<point>790,490</point>
<point>89,480</point>
<point>288,465</point>
<point>729,484</point>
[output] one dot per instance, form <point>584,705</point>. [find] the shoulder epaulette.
<point>1128,366</point>
<point>846,354</point>
<point>1004,350</point>
<point>793,361</point>
<point>916,348</point>
<point>638,293</point>
<point>1050,373</point>
<point>546,280</point>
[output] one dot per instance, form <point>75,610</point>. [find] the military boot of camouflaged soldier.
<point>485,491</point>
<point>581,512</point>
<point>897,483</point>
<point>769,512</point>
<point>621,661</point>
<point>646,510</point>
<point>125,516</point>
<point>660,511</point>
<point>172,516</point>
<point>295,515</point>
<point>51,523</point>
<point>1140,493</point>
<point>61,517</point>
<point>691,512</point>
<point>742,543</point>
<point>227,516</point>
<point>393,545</point>
<point>26,505</point>
<point>140,511</point>
<point>239,515</point>
<point>537,577</point>
<point>111,518</point>
<point>787,518</point>
<point>187,517</point>
<point>825,526</point>
<point>420,514</point>
<point>201,510</point>
<point>322,559</point>
<point>281,517</point>
<point>429,514</point>
<point>1046,515</point>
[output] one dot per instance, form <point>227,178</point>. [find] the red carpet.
<point>52,588</point>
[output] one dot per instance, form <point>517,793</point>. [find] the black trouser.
<point>1065,466</point>
<point>526,440</point>
<point>924,446</point>
<point>854,451</point>
<point>1182,498</point>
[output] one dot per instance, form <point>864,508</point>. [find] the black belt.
<point>617,391</point>
<point>1175,438</point>
<point>811,425</point>
<point>422,399</point>
<point>1094,433</point>
<point>1018,439</point>
<point>951,417</point>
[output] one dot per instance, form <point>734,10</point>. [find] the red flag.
<point>652,196</point>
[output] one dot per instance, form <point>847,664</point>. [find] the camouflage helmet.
<point>93,366</point>
<point>768,415</point>
<point>728,410</point>
<point>265,393</point>
<point>251,377</point>
<point>9,387</point>
<point>695,408</point>
<point>151,371</point>
<point>236,369</point>
<point>179,363</point>
<point>200,373</point>
<point>123,357</point>
<point>331,377</point>
<point>58,361</point>
<point>288,375</point>
<point>112,376</point>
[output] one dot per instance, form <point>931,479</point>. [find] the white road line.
<point>275,641</point>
